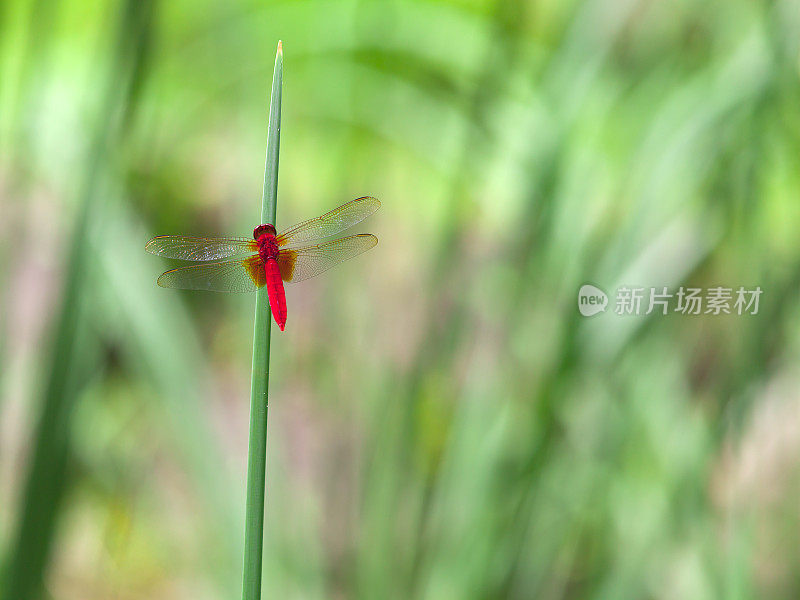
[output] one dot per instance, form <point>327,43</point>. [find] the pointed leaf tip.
<point>280,46</point>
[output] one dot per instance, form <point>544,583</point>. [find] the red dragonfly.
<point>237,264</point>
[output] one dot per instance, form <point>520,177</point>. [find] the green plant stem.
<point>257,451</point>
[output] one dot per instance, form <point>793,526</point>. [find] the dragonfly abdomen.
<point>277,295</point>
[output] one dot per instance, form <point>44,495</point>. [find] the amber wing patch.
<point>286,261</point>
<point>255,269</point>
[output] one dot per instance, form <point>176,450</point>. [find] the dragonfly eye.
<point>262,229</point>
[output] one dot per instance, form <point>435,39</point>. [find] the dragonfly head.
<point>262,229</point>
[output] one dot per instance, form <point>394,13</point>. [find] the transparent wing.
<point>232,275</point>
<point>297,264</point>
<point>199,249</point>
<point>330,223</point>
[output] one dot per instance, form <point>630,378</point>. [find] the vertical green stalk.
<point>257,452</point>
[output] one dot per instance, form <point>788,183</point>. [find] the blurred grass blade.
<point>257,452</point>
<point>164,350</point>
<point>47,473</point>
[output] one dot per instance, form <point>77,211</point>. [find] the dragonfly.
<point>239,264</point>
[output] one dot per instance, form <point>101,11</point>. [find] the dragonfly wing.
<point>297,264</point>
<point>330,223</point>
<point>232,275</point>
<point>199,249</point>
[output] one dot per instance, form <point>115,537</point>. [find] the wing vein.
<point>331,223</point>
<point>199,249</point>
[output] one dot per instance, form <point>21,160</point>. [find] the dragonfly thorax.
<point>267,243</point>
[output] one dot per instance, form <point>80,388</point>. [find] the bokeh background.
<point>443,422</point>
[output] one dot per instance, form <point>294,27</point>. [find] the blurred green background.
<point>443,422</point>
